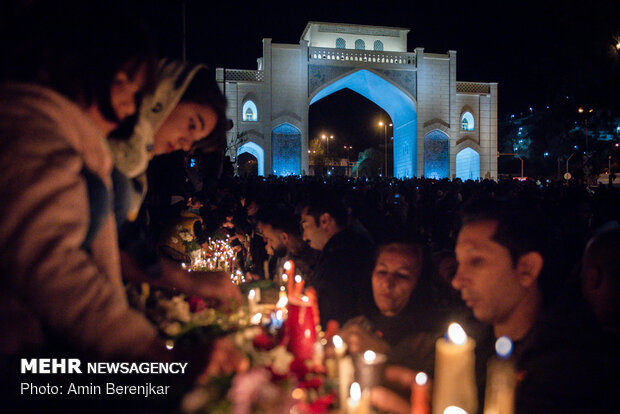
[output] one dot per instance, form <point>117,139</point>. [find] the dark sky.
<point>536,50</point>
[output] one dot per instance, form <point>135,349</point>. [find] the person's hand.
<point>225,359</point>
<point>216,285</point>
<point>389,401</point>
<point>252,276</point>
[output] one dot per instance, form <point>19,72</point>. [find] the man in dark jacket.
<point>344,263</point>
<point>563,362</point>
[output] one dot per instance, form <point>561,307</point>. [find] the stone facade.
<point>418,90</point>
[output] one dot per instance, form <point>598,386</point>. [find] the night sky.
<point>537,51</point>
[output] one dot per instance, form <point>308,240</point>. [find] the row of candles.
<point>454,390</point>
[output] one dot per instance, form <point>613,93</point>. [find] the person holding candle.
<point>504,276</point>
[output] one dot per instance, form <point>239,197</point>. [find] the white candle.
<point>252,301</point>
<point>455,383</point>
<point>345,378</point>
<point>501,380</point>
<point>358,402</point>
<point>339,346</point>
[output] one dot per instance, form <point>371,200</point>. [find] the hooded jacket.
<point>55,287</point>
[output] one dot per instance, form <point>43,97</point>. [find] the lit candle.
<point>340,347</point>
<point>289,270</point>
<point>455,383</point>
<point>369,368</point>
<point>300,328</point>
<point>501,380</point>
<point>454,410</point>
<point>252,300</point>
<point>345,378</point>
<point>299,285</point>
<point>420,399</point>
<point>358,402</point>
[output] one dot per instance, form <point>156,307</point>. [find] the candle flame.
<point>169,344</point>
<point>287,265</point>
<point>421,378</point>
<point>305,299</point>
<point>307,333</point>
<point>297,278</point>
<point>454,410</point>
<point>252,294</point>
<point>503,347</point>
<point>338,342</point>
<point>284,277</point>
<point>456,334</point>
<point>356,392</point>
<point>256,319</point>
<point>282,301</point>
<point>370,356</point>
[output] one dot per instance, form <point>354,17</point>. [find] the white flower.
<point>281,360</point>
<point>174,240</point>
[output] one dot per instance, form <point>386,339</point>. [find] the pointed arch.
<point>286,150</point>
<point>255,150</point>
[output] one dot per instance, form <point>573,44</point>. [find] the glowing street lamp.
<point>385,125</point>
<point>581,111</point>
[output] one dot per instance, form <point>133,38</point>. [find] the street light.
<point>581,111</point>
<point>385,125</point>
<point>326,139</point>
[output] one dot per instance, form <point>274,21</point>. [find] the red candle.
<point>300,329</point>
<point>289,269</point>
<point>420,398</point>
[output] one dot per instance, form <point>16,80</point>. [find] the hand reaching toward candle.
<point>402,380</point>
<point>214,285</point>
<point>389,401</point>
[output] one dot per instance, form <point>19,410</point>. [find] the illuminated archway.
<point>468,164</point>
<point>256,151</point>
<point>286,150</point>
<point>399,105</point>
<point>436,155</point>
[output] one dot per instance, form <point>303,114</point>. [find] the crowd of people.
<point>86,208</point>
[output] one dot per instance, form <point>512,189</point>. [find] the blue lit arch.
<point>399,105</point>
<point>468,164</point>
<point>286,150</point>
<point>436,155</point>
<point>255,150</point>
<point>249,111</point>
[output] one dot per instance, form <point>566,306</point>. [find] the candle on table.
<point>501,380</point>
<point>252,300</point>
<point>454,410</point>
<point>358,402</point>
<point>369,368</point>
<point>455,383</point>
<point>300,328</point>
<point>340,347</point>
<point>345,378</point>
<point>420,398</point>
<point>289,270</point>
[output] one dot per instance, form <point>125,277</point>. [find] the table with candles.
<point>311,371</point>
